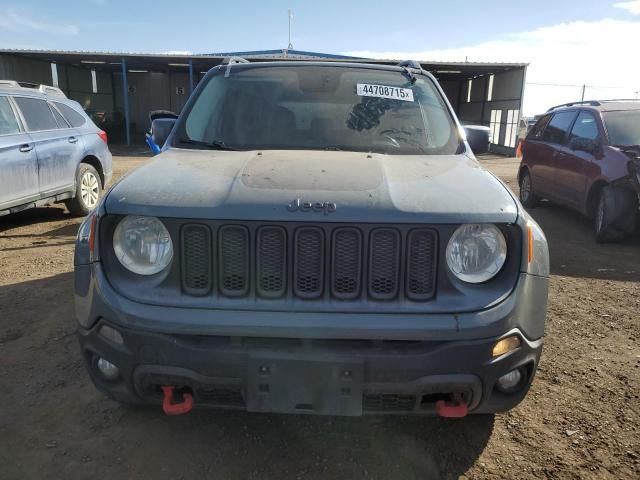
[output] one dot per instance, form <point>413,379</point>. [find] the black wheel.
<point>603,217</point>
<point>527,197</point>
<point>88,191</point>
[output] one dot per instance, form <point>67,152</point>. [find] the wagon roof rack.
<point>44,89</point>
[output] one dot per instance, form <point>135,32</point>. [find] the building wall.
<point>25,70</point>
<point>76,82</point>
<point>148,92</point>
<point>506,97</point>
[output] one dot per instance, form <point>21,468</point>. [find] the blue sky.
<point>568,42</point>
<point>330,26</point>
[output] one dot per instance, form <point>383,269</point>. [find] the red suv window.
<point>538,128</point>
<point>585,127</point>
<point>556,131</point>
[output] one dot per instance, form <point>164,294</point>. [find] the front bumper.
<point>293,362</point>
<point>284,375</point>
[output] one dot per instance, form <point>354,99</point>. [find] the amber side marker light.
<point>530,242</point>
<point>519,150</point>
<point>505,345</point>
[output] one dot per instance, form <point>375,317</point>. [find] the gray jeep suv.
<point>314,238</point>
<point>50,151</point>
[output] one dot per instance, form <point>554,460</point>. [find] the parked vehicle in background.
<point>112,122</point>
<point>313,238</point>
<point>586,156</point>
<point>50,151</point>
<point>154,115</point>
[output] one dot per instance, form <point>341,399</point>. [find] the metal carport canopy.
<point>125,62</point>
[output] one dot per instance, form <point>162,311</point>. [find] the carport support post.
<point>190,76</point>
<point>125,97</point>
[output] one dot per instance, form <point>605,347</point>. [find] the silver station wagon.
<point>50,151</point>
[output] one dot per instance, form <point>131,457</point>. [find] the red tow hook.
<point>171,408</point>
<point>456,409</point>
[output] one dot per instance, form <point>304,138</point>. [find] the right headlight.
<point>143,245</point>
<point>476,252</point>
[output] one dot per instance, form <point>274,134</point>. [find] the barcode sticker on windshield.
<point>384,91</point>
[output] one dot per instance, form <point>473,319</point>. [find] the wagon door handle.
<point>26,148</point>
<point>73,139</point>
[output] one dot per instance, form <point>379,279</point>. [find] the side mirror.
<point>478,138</point>
<point>584,145</point>
<point>160,130</point>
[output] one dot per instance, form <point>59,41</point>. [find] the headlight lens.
<point>143,245</point>
<point>476,252</point>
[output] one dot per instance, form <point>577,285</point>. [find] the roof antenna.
<point>290,20</point>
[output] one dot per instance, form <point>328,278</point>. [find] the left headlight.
<point>476,252</point>
<point>143,245</point>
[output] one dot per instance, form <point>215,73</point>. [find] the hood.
<point>351,186</point>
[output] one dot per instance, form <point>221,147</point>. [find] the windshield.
<point>314,107</point>
<point>623,127</point>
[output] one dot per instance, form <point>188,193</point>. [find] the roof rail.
<point>592,103</point>
<point>620,100</point>
<point>233,59</point>
<point>48,90</point>
<point>44,89</point>
<point>410,64</point>
<point>9,84</point>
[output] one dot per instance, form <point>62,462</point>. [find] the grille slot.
<point>271,262</point>
<point>346,263</point>
<point>421,265</point>
<point>196,259</point>
<point>234,260</point>
<point>384,263</point>
<point>388,402</point>
<point>309,262</point>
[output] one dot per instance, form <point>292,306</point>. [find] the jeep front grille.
<point>348,263</point>
<point>272,262</point>
<point>196,264</point>
<point>234,260</point>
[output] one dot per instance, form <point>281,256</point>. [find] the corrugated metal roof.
<point>262,54</point>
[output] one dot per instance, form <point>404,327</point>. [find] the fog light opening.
<point>510,382</point>
<point>111,334</point>
<point>505,346</point>
<point>107,369</point>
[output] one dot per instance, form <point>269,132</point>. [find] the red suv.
<point>586,155</point>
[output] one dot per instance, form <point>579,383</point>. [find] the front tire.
<point>603,218</point>
<point>88,191</point>
<point>527,197</point>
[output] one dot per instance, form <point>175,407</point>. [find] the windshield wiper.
<point>215,145</point>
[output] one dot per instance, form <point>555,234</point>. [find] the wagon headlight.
<point>476,252</point>
<point>142,245</point>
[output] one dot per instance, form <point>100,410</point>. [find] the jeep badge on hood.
<point>298,204</point>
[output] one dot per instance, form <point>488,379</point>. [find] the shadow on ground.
<point>33,216</point>
<point>575,253</point>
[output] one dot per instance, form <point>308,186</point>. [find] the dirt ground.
<point>580,420</point>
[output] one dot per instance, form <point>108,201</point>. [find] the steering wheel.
<point>390,140</point>
<point>396,136</point>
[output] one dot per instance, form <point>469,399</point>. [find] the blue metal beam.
<point>125,97</point>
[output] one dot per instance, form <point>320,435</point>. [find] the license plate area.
<point>304,384</point>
